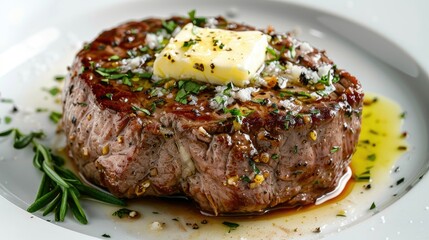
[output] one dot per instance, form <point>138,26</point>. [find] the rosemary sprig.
<point>60,189</point>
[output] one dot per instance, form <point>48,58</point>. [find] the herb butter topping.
<point>214,56</point>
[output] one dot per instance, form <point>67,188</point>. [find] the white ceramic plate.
<point>48,34</point>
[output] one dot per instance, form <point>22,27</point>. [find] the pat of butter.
<point>214,56</point>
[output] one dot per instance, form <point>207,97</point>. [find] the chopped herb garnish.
<point>341,213</point>
<point>86,46</point>
<point>245,178</point>
<point>132,53</point>
<point>292,51</point>
<point>231,225</point>
<point>255,168</point>
<point>143,49</point>
<point>186,88</point>
<point>39,110</point>
<point>189,43</point>
<point>371,157</point>
<point>295,149</point>
<point>262,101</point>
<point>109,96</point>
<point>335,149</point>
<point>402,148</point>
<point>124,212</point>
<point>138,109</point>
<point>273,53</point>
<point>106,235</point>
<point>53,91</point>
<point>198,21</point>
<point>60,189</point>
<point>372,206</point>
<point>55,116</point>
<point>59,78</point>
<point>6,100</point>
<point>314,111</point>
<point>83,104</point>
<point>403,115</point>
<point>275,156</point>
<point>169,26</point>
<point>7,119</point>
<point>114,58</point>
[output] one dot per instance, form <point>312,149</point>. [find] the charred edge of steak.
<point>245,157</point>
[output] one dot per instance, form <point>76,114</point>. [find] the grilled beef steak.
<point>287,139</point>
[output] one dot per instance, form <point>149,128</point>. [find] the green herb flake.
<point>198,21</point>
<point>275,156</point>
<point>295,149</point>
<point>335,149</point>
<point>372,206</point>
<point>245,178</point>
<point>189,43</point>
<point>292,51</point>
<point>371,157</point>
<point>123,212</point>
<point>55,116</point>
<point>109,96</point>
<point>114,58</point>
<point>86,46</point>
<point>255,168</point>
<point>403,115</point>
<point>143,49</point>
<point>82,104</point>
<point>400,181</point>
<point>314,111</point>
<point>187,88</point>
<point>169,26</point>
<point>7,119</point>
<point>232,226</point>
<point>342,213</point>
<point>105,235</point>
<point>6,100</point>
<point>59,78</point>
<point>138,109</point>
<point>53,91</point>
<point>39,110</point>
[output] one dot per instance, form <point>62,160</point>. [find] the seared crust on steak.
<point>128,133</point>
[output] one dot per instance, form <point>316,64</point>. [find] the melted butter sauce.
<point>381,144</point>
<point>381,141</point>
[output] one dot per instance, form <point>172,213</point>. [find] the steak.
<point>287,139</point>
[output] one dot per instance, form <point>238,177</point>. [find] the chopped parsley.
<point>55,116</point>
<point>255,168</point>
<point>114,58</point>
<point>7,119</point>
<point>292,51</point>
<point>335,149</point>
<point>372,206</point>
<point>169,26</point>
<point>138,109</point>
<point>232,226</point>
<point>109,96</point>
<point>59,78</point>
<point>186,88</point>
<point>198,21</point>
<point>106,235</point>
<point>123,212</point>
<point>371,157</point>
<point>6,100</point>
<point>53,91</point>
<point>189,43</point>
